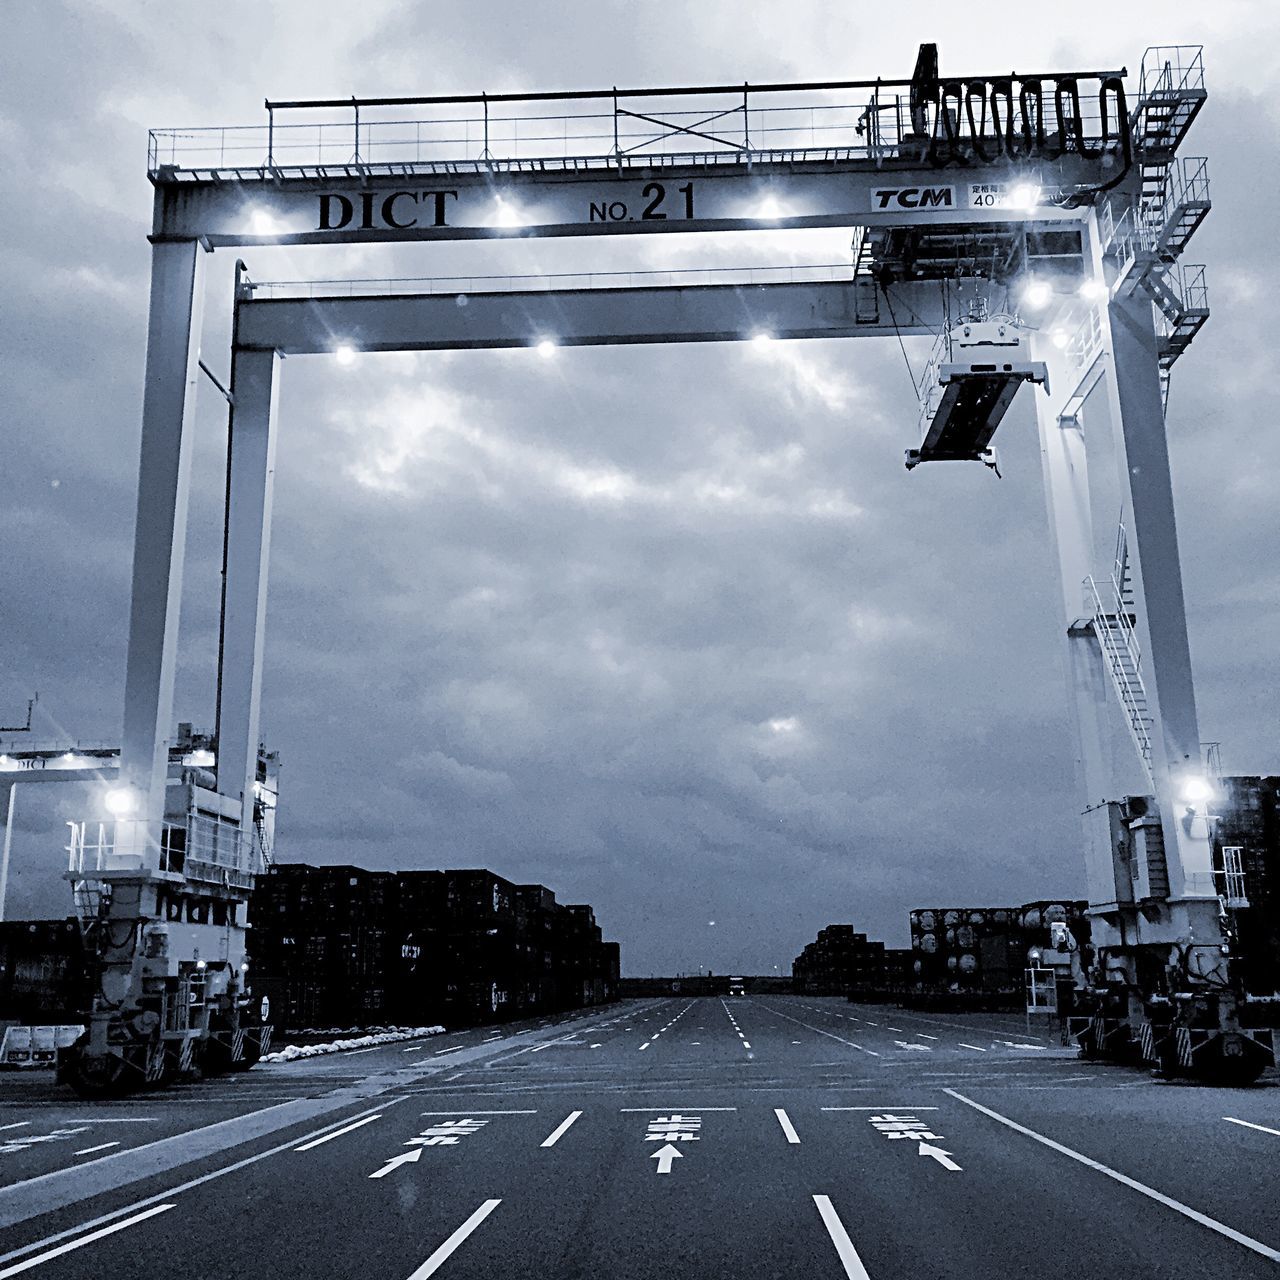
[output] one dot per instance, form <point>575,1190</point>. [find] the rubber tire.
<point>97,1078</point>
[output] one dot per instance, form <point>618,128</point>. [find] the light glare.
<point>1024,196</point>
<point>546,348</point>
<point>120,802</point>
<point>346,354</point>
<point>1060,338</point>
<point>1036,293</point>
<point>1093,289</point>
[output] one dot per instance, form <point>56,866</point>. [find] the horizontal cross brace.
<point>261,207</point>
<point>579,317</point>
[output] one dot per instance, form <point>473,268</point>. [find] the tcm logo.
<point>914,197</point>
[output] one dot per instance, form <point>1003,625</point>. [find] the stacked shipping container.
<point>341,946</point>
<point>1249,820</point>
<point>984,949</point>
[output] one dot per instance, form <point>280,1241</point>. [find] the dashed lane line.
<point>845,1251</point>
<point>821,1032</point>
<point>788,1129</point>
<point>560,1130</point>
<point>979,1048</point>
<point>1140,1187</point>
<point>71,1245</point>
<point>102,1146</point>
<point>446,1250</point>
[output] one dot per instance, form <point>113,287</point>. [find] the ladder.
<point>1113,625</point>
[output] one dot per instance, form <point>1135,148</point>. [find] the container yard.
<point>668,603</point>
<point>341,946</point>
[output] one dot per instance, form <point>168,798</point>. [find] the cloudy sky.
<point>670,630</point>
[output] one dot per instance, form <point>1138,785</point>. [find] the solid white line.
<point>1250,1125</point>
<point>77,1244</point>
<point>558,1132</point>
<point>902,1106</point>
<point>534,1112</point>
<point>848,1255</point>
<point>787,1127</point>
<point>17,1124</point>
<point>88,1151</point>
<point>648,1111</point>
<point>979,1048</point>
<point>441,1255</point>
<point>329,1137</point>
<point>1168,1201</point>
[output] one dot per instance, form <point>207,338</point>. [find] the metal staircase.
<point>1113,625</point>
<point>1170,95</point>
<point>866,292</point>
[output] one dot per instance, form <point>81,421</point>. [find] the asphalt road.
<point>754,1137</point>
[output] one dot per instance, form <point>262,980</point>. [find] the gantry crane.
<point>1032,224</point>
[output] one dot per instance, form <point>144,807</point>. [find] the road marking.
<point>559,1131</point>
<point>910,1044</point>
<point>904,1107</point>
<point>329,1137</point>
<point>102,1146</point>
<point>847,1254</point>
<point>979,1048</point>
<point>439,1053</point>
<point>351,1053</point>
<point>924,1035</point>
<point>787,1127</point>
<point>648,1111</point>
<point>418,1048</point>
<point>1168,1201</point>
<point>665,1155</point>
<point>644,1046</point>
<point>1250,1125</point>
<point>17,1124</point>
<point>406,1157</point>
<point>84,1240</point>
<point>941,1156</point>
<point>821,1032</point>
<point>479,1113</point>
<point>746,1044</point>
<point>442,1254</point>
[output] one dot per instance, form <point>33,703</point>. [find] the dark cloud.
<point>670,630</point>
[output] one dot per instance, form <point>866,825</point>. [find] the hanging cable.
<point>902,346</point>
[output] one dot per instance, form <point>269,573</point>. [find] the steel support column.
<point>251,475</point>
<point>173,338</point>
<point>1137,414</point>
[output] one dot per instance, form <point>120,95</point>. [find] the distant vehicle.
<point>737,986</point>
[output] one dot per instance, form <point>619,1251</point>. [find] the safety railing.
<point>220,853</point>
<point>419,285</point>
<point>205,849</point>
<point>1085,340</point>
<point>1172,68</point>
<point>986,118</point>
<point>123,845</point>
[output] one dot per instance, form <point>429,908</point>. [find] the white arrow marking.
<point>942,1157</point>
<point>907,1044</point>
<point>664,1156</point>
<point>407,1157</point>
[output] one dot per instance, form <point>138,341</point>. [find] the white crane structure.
<point>1032,223</point>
